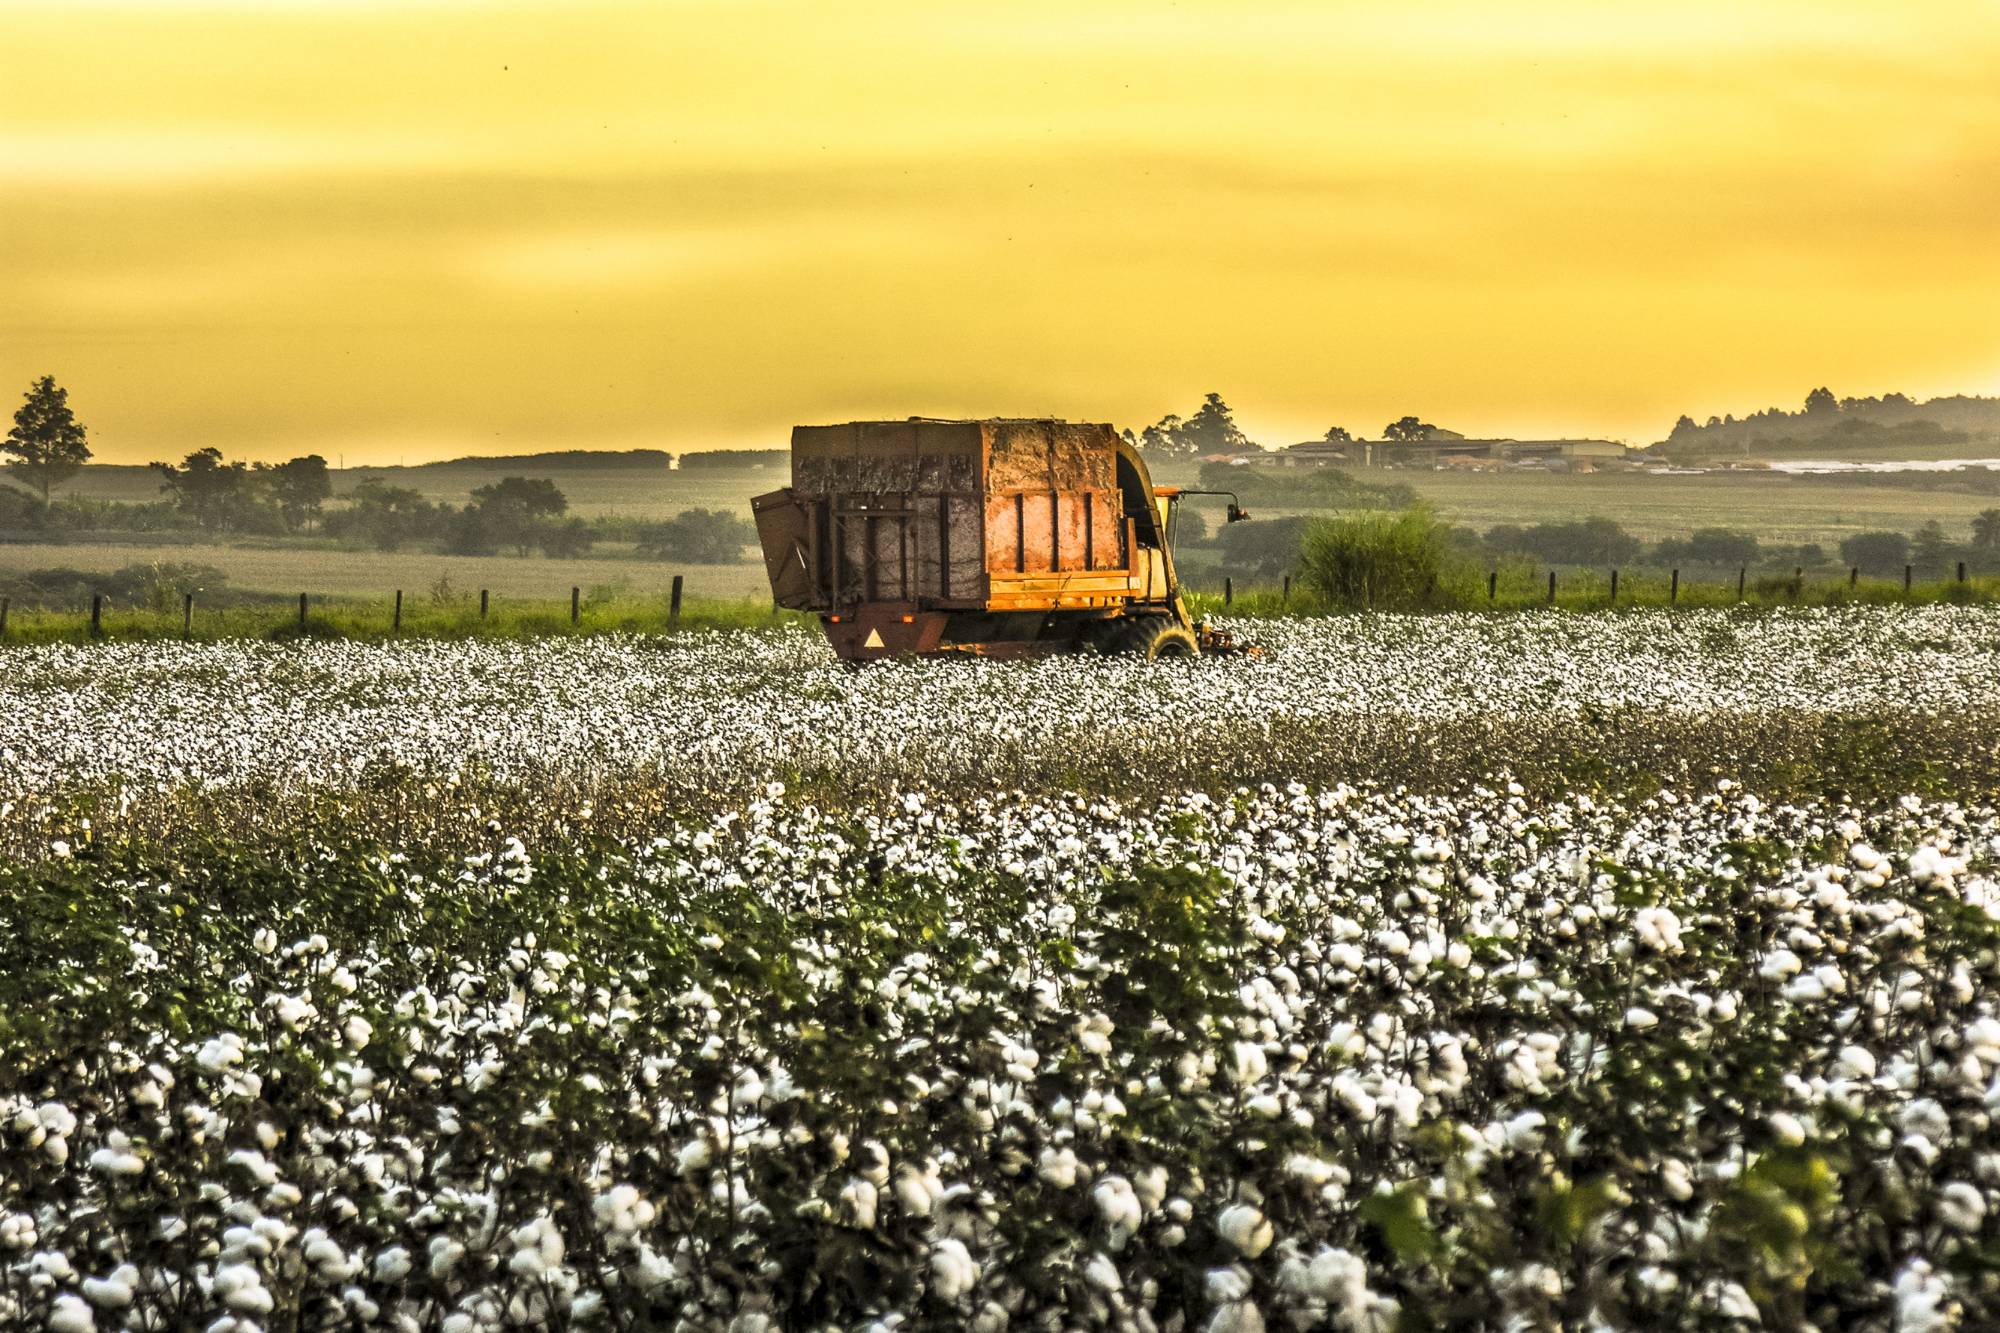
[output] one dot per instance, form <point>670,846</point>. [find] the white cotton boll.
<point>1264,1107</point>
<point>392,1265</point>
<point>1639,1019</point>
<point>116,1157</point>
<point>1779,964</point>
<point>952,1271</point>
<point>71,1315</point>
<point>1058,1166</point>
<point>357,1032</point>
<point>1312,1170</point>
<point>1523,1133</point>
<point>1677,1180</point>
<point>1102,1274</point>
<point>255,1165</point>
<point>113,1292</point>
<point>693,1155</point>
<point>444,1255</point>
<point>1854,1063</point>
<point>1961,1206</point>
<point>265,941</point>
<point>1226,1285</point>
<point>1246,1063</point>
<point>1236,1317</point>
<point>1245,1228</point>
<point>18,1232</point>
<point>220,1053</point>
<point>858,1197</point>
<point>1658,929</point>
<point>916,1191</point>
<point>238,1287</point>
<point>1118,1204</point>
<point>1919,1294</point>
<point>1786,1128</point>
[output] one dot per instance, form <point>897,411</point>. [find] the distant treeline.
<point>207,496</point>
<point>1269,548</point>
<point>1892,419</point>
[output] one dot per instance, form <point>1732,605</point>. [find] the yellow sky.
<point>407,230</point>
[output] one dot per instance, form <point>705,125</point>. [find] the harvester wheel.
<point>1156,637</point>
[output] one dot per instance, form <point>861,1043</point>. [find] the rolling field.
<point>1537,970</point>
<point>290,570</point>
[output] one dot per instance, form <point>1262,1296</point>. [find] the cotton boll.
<point>71,1315</point>
<point>1523,1133</point>
<point>1786,1128</point>
<point>239,1287</point>
<point>1119,1207</point>
<point>1961,1206</point>
<point>952,1271</point>
<point>1103,1274</point>
<point>1245,1228</point>
<point>113,1292</point>
<point>1854,1063</point>
<point>1058,1166</point>
<point>1246,1063</point>
<point>858,1197</point>
<point>392,1264</point>
<point>1658,929</point>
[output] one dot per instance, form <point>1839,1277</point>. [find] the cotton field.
<point>618,730</point>
<point>983,995</point>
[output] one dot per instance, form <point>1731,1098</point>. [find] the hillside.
<point>1893,426</point>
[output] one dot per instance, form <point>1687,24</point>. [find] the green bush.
<point>1401,561</point>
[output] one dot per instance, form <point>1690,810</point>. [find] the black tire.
<point>1156,638</point>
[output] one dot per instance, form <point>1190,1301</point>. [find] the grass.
<point>1522,589</point>
<point>375,620</point>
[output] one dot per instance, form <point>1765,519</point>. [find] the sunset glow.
<point>410,231</point>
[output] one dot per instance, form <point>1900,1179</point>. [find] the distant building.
<point>1448,448</point>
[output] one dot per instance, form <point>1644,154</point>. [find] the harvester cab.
<point>1003,537</point>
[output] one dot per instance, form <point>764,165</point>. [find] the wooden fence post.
<point>482,603</point>
<point>1228,591</point>
<point>1906,578</point>
<point>1492,584</point>
<point>96,614</point>
<point>1961,571</point>
<point>1285,593</point>
<point>396,625</point>
<point>302,610</point>
<point>187,615</point>
<point>575,604</point>
<point>674,605</point>
<point>1741,573</point>
<point>1552,587</point>
<point>1798,583</point>
<point>5,602</point>
<point>1674,588</point>
<point>1614,585</point>
<point>1853,575</point>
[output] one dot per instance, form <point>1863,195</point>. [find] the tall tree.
<point>517,509</point>
<point>1408,428</point>
<point>1212,429</point>
<point>1986,529</point>
<point>204,487</point>
<point>1821,402</point>
<point>1337,435</point>
<point>46,445</point>
<point>299,486</point>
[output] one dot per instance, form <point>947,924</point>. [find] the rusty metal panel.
<point>784,529</point>
<point>887,457</point>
